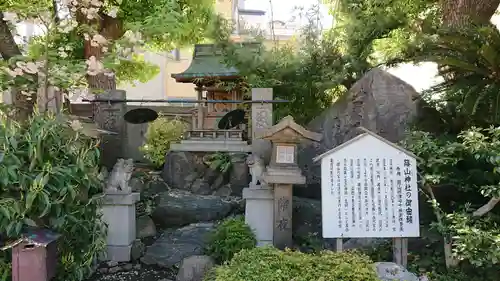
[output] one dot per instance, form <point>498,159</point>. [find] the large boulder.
<point>389,271</point>
<point>195,268</point>
<point>174,245</point>
<point>188,171</point>
<point>379,102</point>
<point>178,208</point>
<point>178,166</point>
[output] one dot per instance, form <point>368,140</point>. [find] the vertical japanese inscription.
<point>359,190</point>
<point>365,195</point>
<point>378,177</point>
<point>282,233</point>
<point>352,187</point>
<point>373,201</point>
<point>339,196</point>
<point>399,198</point>
<point>283,204</point>
<point>346,198</point>
<point>332,188</point>
<point>393,195</point>
<point>386,194</point>
<point>408,192</point>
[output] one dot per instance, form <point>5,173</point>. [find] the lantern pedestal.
<point>119,214</point>
<point>282,180</point>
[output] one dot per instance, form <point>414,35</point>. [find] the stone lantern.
<point>283,172</point>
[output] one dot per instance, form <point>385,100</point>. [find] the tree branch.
<point>486,207</point>
<point>55,12</point>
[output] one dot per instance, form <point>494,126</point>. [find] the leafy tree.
<point>469,58</point>
<point>308,72</point>
<point>460,176</point>
<point>89,43</point>
<point>49,177</point>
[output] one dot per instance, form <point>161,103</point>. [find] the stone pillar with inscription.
<point>259,196</point>
<point>283,172</point>
<point>110,117</point>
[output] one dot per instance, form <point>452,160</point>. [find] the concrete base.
<point>211,146</point>
<point>259,210</point>
<point>119,214</point>
<point>118,253</point>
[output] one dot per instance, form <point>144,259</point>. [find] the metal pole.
<point>182,101</point>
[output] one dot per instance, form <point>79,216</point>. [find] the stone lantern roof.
<point>287,131</point>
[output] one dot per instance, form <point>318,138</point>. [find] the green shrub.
<point>230,237</point>
<point>49,176</point>
<point>270,264</point>
<point>219,161</point>
<point>161,133</point>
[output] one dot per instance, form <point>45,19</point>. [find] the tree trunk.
<point>8,49</point>
<point>460,12</point>
<point>111,147</point>
<point>111,29</point>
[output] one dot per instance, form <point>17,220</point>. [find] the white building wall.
<point>154,88</point>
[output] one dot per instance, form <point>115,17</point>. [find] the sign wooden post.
<point>369,190</point>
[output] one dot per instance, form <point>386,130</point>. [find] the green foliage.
<point>468,58</point>
<point>167,24</point>
<point>267,263</point>
<point>230,237</point>
<point>469,166</point>
<point>308,74</point>
<point>161,133</point>
<point>161,24</point>
<point>49,176</point>
<point>219,161</point>
<point>5,265</point>
<point>380,31</point>
<point>426,256</point>
<point>320,66</point>
<point>134,69</point>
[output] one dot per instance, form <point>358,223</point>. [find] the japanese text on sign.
<point>370,195</point>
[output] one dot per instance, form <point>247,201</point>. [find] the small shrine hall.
<point>207,71</point>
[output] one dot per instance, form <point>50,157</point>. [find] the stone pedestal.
<point>259,213</point>
<point>282,233</point>
<point>282,180</point>
<point>119,214</point>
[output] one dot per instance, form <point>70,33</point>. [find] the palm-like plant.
<point>469,62</point>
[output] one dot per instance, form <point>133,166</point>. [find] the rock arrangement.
<point>180,206</point>
<point>172,229</point>
<point>171,235</point>
<point>379,102</point>
<point>188,171</point>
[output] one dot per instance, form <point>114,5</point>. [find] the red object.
<point>31,262</point>
<point>34,255</point>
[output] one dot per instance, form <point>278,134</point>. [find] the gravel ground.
<point>138,272</point>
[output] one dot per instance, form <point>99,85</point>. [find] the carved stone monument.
<point>109,116</point>
<point>259,196</point>
<point>119,211</point>
<point>283,172</point>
